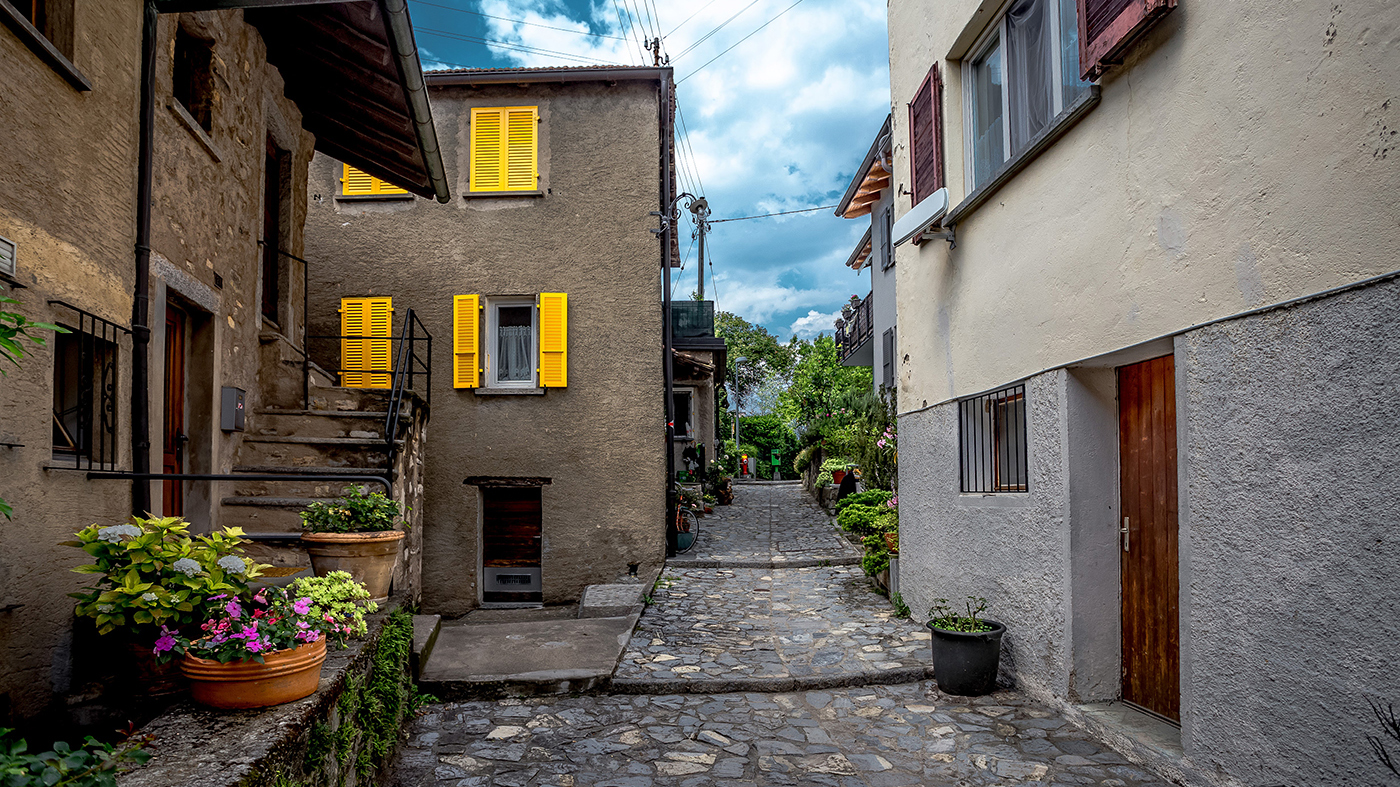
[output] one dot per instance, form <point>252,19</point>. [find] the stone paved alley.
<point>725,684</point>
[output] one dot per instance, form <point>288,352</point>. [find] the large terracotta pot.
<point>152,677</point>
<point>837,476</point>
<point>284,676</point>
<point>368,557</point>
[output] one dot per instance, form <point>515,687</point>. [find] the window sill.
<point>509,391</point>
<point>41,46</point>
<point>500,194</point>
<point>195,129</point>
<point>372,197</point>
<point>1047,137</point>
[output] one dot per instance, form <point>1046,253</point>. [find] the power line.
<point>687,19</point>
<point>632,26</point>
<point>506,44</point>
<point>740,41</point>
<point>622,27</point>
<point>767,215</point>
<point>716,30</point>
<point>686,130</point>
<point>519,21</point>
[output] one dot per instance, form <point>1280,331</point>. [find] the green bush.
<point>859,519</point>
<point>804,457</point>
<point>877,555</point>
<point>835,463</point>
<point>872,497</point>
<point>353,512</point>
<point>340,597</point>
<point>91,764</point>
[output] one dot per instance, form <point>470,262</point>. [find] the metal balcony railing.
<point>855,329</point>
<point>692,319</point>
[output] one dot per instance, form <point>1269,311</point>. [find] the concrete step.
<point>303,452</point>
<point>611,601</point>
<point>425,635</point>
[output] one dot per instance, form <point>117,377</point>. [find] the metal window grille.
<point>85,391</point>
<point>992,441</point>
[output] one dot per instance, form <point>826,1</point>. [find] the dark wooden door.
<point>511,536</point>
<point>272,231</point>
<point>1147,460</point>
<point>175,439</point>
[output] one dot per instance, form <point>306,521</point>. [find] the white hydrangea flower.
<point>114,533</point>
<point>104,608</point>
<point>187,566</point>
<point>233,564</point>
<point>148,597</point>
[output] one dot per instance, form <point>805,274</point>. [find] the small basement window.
<point>194,77</point>
<point>992,447</point>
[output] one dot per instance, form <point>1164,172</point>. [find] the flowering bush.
<point>354,512</point>
<point>339,602</point>
<point>248,628</point>
<point>154,574</point>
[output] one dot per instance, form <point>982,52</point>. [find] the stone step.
<point>304,452</point>
<point>259,519</point>
<point>357,399</point>
<point>322,423</point>
<point>310,487</point>
<point>425,635</point>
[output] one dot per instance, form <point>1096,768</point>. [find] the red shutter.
<point>926,136</point>
<point>1106,27</point>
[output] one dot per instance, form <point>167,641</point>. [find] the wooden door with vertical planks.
<point>173,459</point>
<point>1148,535</point>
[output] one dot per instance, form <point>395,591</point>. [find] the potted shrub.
<point>356,534</point>
<point>253,652</point>
<point>966,648</point>
<point>152,575</point>
<point>339,602</point>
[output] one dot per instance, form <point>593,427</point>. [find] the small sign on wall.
<point>231,414</point>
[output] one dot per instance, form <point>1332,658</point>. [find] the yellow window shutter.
<point>466,341</point>
<point>554,339</point>
<point>357,182</point>
<point>487,149</point>
<point>522,164</point>
<point>365,358</point>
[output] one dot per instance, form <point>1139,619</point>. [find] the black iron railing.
<point>854,329</point>
<point>405,363</point>
<point>85,391</point>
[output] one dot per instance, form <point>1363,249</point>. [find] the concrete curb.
<point>766,564</point>
<point>771,684</point>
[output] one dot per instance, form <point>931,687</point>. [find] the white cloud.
<point>814,323</point>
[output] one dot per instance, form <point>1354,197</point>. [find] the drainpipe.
<point>666,135</point>
<point>141,299</point>
<point>406,53</point>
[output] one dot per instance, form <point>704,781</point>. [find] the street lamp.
<point>738,454</point>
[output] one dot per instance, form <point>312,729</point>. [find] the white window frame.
<point>490,339</point>
<point>997,32</point>
<point>689,433</point>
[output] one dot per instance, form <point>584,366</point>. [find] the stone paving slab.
<point>738,629</point>
<point>880,736</point>
<point>769,526</point>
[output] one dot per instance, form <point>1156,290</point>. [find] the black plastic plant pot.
<point>965,664</point>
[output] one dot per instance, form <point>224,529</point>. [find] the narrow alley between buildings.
<point>766,657</point>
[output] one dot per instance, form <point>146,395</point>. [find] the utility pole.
<point>701,209</point>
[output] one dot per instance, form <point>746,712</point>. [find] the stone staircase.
<point>342,433</point>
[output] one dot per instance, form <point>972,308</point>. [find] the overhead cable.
<point>767,215</point>
<point>706,37</point>
<point>693,159</point>
<point>692,16</point>
<point>740,41</point>
<point>519,21</point>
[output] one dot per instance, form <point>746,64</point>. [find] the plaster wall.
<point>600,440</point>
<point>1241,155</point>
<point>1290,538</point>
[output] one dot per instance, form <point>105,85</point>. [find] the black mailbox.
<point>232,412</point>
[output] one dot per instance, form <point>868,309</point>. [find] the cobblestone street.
<point>759,675</point>
<point>769,526</point>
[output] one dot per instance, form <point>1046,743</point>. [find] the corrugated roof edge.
<point>488,76</point>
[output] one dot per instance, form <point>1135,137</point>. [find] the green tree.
<point>764,357</point>
<point>769,433</point>
<point>819,382</point>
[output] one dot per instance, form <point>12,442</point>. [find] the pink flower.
<point>233,610</point>
<point>894,502</point>
<point>254,645</point>
<point>302,606</point>
<point>166,642</point>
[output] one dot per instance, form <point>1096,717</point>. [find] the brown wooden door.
<point>175,439</point>
<point>511,536</point>
<point>1147,461</point>
<point>272,231</point>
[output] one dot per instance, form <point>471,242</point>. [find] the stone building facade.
<point>230,151</point>
<point>546,459</point>
<point>1147,322</point>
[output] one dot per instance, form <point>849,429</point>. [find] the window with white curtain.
<point>1023,73</point>
<point>511,344</point>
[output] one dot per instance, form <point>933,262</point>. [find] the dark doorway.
<point>1148,538</point>
<point>511,536</point>
<point>272,232</point>
<point>175,438</point>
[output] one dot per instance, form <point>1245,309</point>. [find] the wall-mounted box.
<point>7,257</point>
<point>232,412</point>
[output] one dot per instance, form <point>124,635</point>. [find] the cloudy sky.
<point>778,123</point>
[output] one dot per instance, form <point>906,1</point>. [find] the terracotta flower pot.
<point>152,677</point>
<point>892,543</point>
<point>368,557</point>
<point>284,676</point>
<point>837,476</point>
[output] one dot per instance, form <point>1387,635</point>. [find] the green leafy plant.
<point>247,629</point>
<point>356,511</point>
<point>90,764</point>
<point>942,616</point>
<point>835,463</point>
<point>803,460</point>
<point>860,520</point>
<point>900,607</point>
<point>877,555</point>
<point>338,601</point>
<point>873,497</point>
<point>154,574</point>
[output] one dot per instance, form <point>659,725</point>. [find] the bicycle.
<point>687,528</point>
